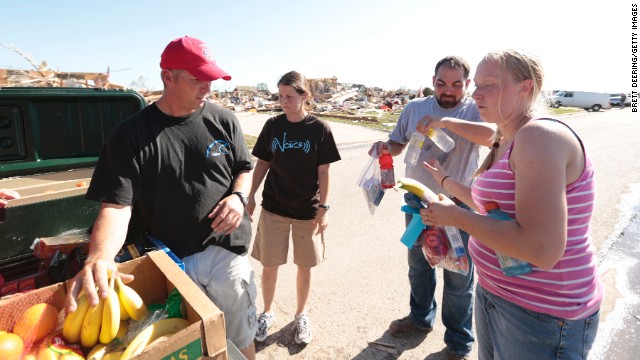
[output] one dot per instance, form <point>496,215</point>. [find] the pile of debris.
<point>329,97</point>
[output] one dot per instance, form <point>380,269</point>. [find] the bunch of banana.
<point>151,333</point>
<point>131,301</point>
<point>416,188</point>
<point>90,324</point>
<point>110,315</point>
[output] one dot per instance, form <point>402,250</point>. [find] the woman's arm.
<point>540,159</point>
<point>477,132</point>
<point>456,188</point>
<point>323,188</point>
<point>259,172</point>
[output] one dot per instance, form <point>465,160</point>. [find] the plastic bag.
<point>438,251</point>
<point>370,183</point>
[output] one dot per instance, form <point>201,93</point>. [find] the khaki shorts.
<point>272,241</point>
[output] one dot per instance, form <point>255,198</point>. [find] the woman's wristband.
<point>442,181</point>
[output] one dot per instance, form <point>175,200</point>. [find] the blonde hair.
<point>521,66</point>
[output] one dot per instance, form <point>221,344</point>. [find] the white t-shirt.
<point>460,163</point>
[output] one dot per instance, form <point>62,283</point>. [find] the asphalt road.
<point>362,286</point>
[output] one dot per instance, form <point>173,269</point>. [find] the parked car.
<point>50,140</point>
<point>615,101</point>
<point>582,99</point>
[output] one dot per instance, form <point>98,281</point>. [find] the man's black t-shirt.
<point>174,171</point>
<point>294,151</point>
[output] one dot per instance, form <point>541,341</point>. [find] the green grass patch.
<point>250,140</point>
<point>387,121</point>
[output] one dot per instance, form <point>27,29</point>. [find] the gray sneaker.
<point>265,320</point>
<point>303,329</point>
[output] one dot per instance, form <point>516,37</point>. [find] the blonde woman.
<point>539,173</point>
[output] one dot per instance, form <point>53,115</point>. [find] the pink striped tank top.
<point>572,289</point>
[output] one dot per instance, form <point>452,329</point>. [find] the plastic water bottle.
<point>414,148</point>
<point>509,265</point>
<point>441,139</point>
<point>387,177</point>
<point>456,240</point>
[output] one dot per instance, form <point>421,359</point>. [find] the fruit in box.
<point>36,322</point>
<point>11,346</point>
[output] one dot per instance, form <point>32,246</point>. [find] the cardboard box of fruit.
<point>35,325</point>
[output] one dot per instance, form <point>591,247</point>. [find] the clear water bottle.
<point>456,240</point>
<point>414,148</point>
<point>441,139</point>
<point>509,265</point>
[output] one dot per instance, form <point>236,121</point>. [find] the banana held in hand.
<point>152,332</point>
<point>91,325</point>
<point>131,301</point>
<point>124,315</point>
<point>417,188</point>
<point>122,330</point>
<point>110,315</point>
<point>73,322</point>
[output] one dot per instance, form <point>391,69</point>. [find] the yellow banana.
<point>110,315</point>
<point>417,188</point>
<point>131,301</point>
<point>91,325</point>
<point>99,352</point>
<point>124,315</point>
<point>73,321</point>
<point>152,332</point>
<point>122,330</point>
<point>115,355</point>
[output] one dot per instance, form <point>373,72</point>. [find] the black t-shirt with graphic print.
<point>294,151</point>
<point>174,171</point>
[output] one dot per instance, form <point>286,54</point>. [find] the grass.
<point>250,140</point>
<point>390,119</point>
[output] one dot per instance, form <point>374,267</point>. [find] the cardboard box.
<point>156,275</point>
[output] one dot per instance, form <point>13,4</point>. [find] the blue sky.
<point>389,44</point>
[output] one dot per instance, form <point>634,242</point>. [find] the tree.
<point>427,91</point>
<point>262,87</point>
<point>140,84</point>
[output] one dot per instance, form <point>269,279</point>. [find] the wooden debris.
<point>390,348</point>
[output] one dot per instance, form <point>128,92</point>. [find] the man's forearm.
<point>109,231</point>
<point>242,182</point>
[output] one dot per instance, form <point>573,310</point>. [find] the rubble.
<point>329,97</point>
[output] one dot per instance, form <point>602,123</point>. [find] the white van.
<point>581,99</point>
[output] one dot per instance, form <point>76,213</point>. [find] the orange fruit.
<point>11,346</point>
<point>36,322</point>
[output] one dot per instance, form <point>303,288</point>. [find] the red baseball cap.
<point>193,55</point>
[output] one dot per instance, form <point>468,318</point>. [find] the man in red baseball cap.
<point>183,165</point>
<point>193,55</point>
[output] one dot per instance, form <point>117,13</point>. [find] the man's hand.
<point>377,147</point>
<point>94,273</point>
<point>227,215</point>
